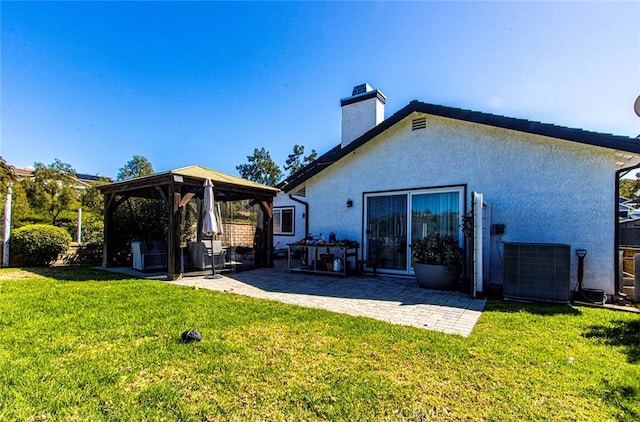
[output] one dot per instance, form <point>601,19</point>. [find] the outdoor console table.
<point>309,258</point>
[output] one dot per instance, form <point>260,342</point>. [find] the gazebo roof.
<point>219,177</point>
<point>193,176</point>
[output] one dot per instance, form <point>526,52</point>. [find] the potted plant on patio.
<point>438,261</point>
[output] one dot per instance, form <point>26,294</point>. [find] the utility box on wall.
<point>537,271</point>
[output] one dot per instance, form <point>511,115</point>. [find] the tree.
<point>136,218</point>
<point>92,203</point>
<point>6,175</point>
<point>261,168</point>
<point>53,189</point>
<point>297,160</point>
<point>20,208</point>
<point>91,198</point>
<point>136,167</point>
<point>630,187</point>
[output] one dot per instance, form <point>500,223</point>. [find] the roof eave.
<point>614,142</point>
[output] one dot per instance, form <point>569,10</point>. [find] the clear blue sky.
<point>94,83</point>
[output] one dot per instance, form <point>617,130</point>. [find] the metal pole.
<point>581,253</point>
<point>7,225</point>
<point>79,237</point>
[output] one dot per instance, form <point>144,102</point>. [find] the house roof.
<point>615,142</point>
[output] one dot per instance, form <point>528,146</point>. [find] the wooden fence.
<point>629,236</point>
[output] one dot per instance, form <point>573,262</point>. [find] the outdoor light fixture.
<point>349,203</point>
<point>581,253</point>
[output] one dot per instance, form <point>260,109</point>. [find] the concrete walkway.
<point>391,299</point>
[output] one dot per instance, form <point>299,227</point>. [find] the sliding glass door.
<point>394,220</point>
<point>386,231</point>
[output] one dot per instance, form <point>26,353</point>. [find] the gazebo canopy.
<point>176,188</point>
<point>230,187</point>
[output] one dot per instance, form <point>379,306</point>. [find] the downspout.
<point>306,213</point>
<point>616,234</point>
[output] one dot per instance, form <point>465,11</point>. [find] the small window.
<point>283,221</point>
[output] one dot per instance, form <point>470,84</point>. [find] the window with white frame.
<point>283,220</point>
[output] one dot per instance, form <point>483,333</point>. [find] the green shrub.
<point>92,227</point>
<point>39,244</point>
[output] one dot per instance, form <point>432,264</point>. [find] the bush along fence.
<point>38,244</point>
<point>46,245</point>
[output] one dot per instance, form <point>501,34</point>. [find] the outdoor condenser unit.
<point>537,271</point>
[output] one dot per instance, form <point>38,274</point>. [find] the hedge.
<point>39,244</point>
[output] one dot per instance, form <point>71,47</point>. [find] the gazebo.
<point>176,188</point>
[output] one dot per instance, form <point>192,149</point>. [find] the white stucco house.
<point>393,180</point>
<point>289,220</point>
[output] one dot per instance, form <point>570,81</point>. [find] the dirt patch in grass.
<point>16,274</point>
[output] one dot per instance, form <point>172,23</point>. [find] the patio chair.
<point>148,256</point>
<point>218,253</point>
<point>203,257</point>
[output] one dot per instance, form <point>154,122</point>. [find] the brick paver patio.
<point>391,299</point>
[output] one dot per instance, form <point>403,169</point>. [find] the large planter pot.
<point>436,276</point>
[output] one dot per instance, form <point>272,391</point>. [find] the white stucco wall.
<point>541,189</point>
<point>283,200</point>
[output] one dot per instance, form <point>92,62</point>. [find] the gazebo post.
<point>199,218</point>
<point>267,229</point>
<point>173,232</point>
<point>108,218</point>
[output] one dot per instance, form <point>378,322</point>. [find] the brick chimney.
<point>362,111</point>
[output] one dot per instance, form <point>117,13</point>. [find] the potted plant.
<point>438,261</point>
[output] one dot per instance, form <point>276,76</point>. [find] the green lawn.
<point>78,344</point>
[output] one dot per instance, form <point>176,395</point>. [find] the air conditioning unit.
<point>537,271</point>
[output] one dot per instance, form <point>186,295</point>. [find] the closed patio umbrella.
<point>210,223</point>
<point>211,219</point>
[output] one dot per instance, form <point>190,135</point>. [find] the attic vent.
<point>419,123</point>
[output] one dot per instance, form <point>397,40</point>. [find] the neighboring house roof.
<point>22,172</point>
<point>614,142</point>
<point>626,207</point>
<point>90,178</point>
<point>83,179</point>
<point>633,221</point>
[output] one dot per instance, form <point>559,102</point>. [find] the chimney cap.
<point>361,89</point>
<point>363,92</point>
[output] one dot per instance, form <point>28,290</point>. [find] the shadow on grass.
<point>622,396</point>
<point>624,334</point>
<point>78,273</point>
<point>499,305</point>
